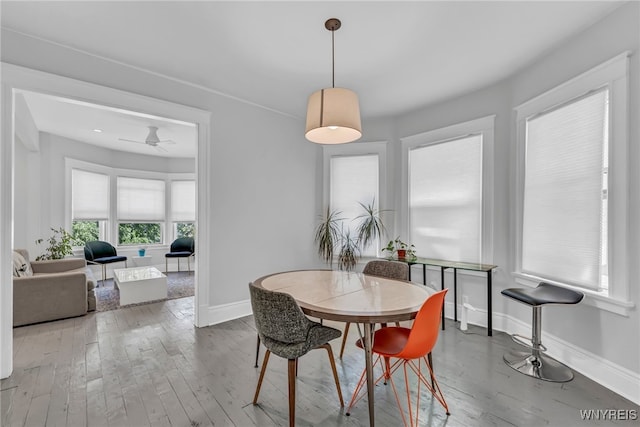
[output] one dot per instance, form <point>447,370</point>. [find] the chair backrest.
<point>389,269</point>
<point>98,249</point>
<point>425,329</point>
<point>278,316</point>
<point>183,244</point>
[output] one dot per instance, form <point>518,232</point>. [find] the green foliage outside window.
<point>139,233</point>
<point>85,231</point>
<point>185,229</point>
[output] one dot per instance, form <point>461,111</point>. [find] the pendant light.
<point>333,114</point>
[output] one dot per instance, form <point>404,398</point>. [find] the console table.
<point>486,268</point>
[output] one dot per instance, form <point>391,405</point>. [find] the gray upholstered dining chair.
<point>381,268</point>
<point>288,333</point>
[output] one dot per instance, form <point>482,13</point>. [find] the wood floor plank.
<point>22,397</point>
<point>38,408</point>
<point>197,415</point>
<point>97,409</point>
<point>172,406</point>
<point>77,415</point>
<point>6,399</point>
<point>136,413</point>
<point>151,401</point>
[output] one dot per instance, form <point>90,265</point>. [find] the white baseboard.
<point>225,312</point>
<point>616,378</point>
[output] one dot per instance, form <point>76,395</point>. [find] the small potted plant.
<point>402,249</point>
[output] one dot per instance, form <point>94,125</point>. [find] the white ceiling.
<point>398,56</point>
<point>81,121</point>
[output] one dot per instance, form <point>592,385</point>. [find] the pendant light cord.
<point>333,59</point>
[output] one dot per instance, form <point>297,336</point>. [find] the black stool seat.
<point>545,293</point>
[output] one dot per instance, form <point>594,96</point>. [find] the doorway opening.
<point>104,101</point>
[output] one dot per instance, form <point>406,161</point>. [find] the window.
<point>354,174</point>
<point>573,186</point>
<point>89,205</point>
<point>562,226</point>
<point>449,191</point>
<point>353,183</point>
<point>445,199</point>
<point>141,210</point>
<point>183,208</point>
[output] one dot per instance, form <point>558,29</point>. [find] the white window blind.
<point>89,195</point>
<point>564,217</point>
<point>354,180</point>
<point>445,199</point>
<point>140,199</point>
<point>183,201</point>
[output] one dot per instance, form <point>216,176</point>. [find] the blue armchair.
<point>183,247</point>
<point>103,253</point>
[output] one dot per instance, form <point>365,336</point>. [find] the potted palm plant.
<point>371,227</point>
<point>328,233</point>
<point>331,238</point>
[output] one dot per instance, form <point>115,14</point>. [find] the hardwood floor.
<point>149,366</point>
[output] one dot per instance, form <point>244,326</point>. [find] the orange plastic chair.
<point>411,347</point>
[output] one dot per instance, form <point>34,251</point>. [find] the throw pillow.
<point>21,268</point>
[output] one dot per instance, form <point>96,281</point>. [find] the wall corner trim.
<point>225,312</point>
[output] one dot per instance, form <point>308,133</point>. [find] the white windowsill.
<point>592,298</point>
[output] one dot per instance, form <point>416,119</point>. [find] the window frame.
<point>484,126</point>
<point>378,148</point>
<point>613,75</point>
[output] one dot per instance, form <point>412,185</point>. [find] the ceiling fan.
<point>152,139</point>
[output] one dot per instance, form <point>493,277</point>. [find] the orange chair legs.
<point>431,384</point>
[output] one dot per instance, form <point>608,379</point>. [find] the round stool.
<point>534,363</point>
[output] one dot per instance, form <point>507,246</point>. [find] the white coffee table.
<point>140,284</point>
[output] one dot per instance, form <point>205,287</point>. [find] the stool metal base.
<point>541,367</point>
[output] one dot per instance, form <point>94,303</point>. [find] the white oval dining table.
<point>351,297</point>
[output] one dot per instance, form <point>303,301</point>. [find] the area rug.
<point>180,285</point>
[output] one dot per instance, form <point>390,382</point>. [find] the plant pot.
<point>402,253</point>
<point>141,252</point>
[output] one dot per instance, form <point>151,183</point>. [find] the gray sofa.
<point>56,289</point>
